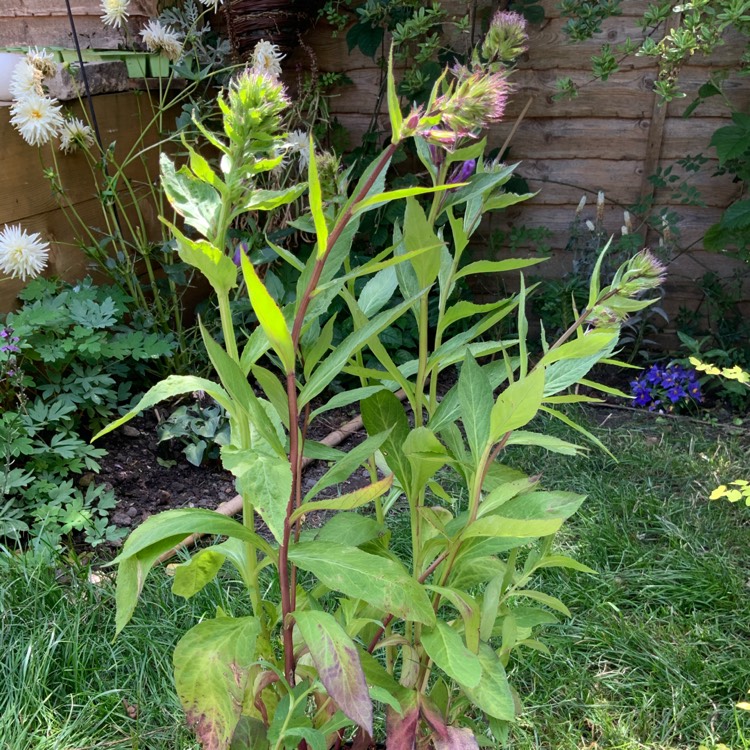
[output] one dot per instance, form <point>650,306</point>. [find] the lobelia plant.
<point>341,619</point>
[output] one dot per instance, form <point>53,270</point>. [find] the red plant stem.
<point>333,237</point>
<point>287,603</point>
<point>287,577</point>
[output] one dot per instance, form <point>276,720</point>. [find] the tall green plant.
<point>341,620</point>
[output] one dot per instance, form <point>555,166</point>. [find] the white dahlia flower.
<point>267,59</point>
<point>26,80</point>
<point>299,143</point>
<point>114,12</point>
<point>37,118</point>
<point>74,135</point>
<point>162,39</point>
<point>22,255</point>
<point>42,60</point>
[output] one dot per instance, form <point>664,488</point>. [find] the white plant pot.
<point>8,61</point>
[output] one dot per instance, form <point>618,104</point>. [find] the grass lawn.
<point>655,655</point>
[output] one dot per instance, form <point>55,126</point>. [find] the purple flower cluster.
<point>663,388</point>
<point>10,342</point>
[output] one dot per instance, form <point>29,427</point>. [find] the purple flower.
<point>241,248</point>
<point>462,173</point>
<point>676,393</point>
<point>669,385</point>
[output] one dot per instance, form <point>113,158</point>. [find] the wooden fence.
<point>612,137</point>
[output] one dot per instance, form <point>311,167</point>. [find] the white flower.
<point>267,59</point>
<point>158,38</point>
<point>37,118</point>
<point>42,60</point>
<point>75,134</point>
<point>114,12</point>
<point>299,143</point>
<point>22,255</point>
<point>214,4</point>
<point>26,80</point>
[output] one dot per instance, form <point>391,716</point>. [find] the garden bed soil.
<point>149,477</point>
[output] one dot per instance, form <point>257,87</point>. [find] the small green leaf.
<point>492,695</point>
<point>191,577</point>
<point>351,500</point>
<point>335,657</point>
<point>562,561</point>
<point>268,200</point>
<point>475,397</point>
<point>378,291</point>
<point>195,200</point>
<point>548,442</point>
<point>217,267</point>
<point>497,266</point>
<point>342,469</point>
<point>263,479</point>
<point>383,413</point>
<point>517,405</point>
<point>394,107</point>
<point>418,234</point>
<point>539,596</point>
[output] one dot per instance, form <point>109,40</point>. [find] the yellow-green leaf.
<point>269,315</point>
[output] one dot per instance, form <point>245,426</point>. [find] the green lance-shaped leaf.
<point>598,341</point>
<point>517,405</point>
<point>268,200</point>
<point>446,648</point>
<point>548,442</point>
<point>211,668</point>
<point>201,569</point>
<point>394,107</point>
<point>343,468</point>
<point>497,266</point>
<point>378,291</point>
<point>332,365</point>
<point>243,398</point>
<point>492,694</point>
<point>393,195</point>
<point>265,480</point>
<point>351,500</point>
<point>335,657</point>
<point>566,372</point>
<point>475,396</point>
<point>269,315</point>
<point>195,200</point>
<point>383,413</point>
<point>418,233</point>
<point>215,265</point>
<point>174,385</point>
<point>316,202</point>
<point>379,581</point>
<point>532,514</point>
<point>159,534</point>
<point>426,456</point>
